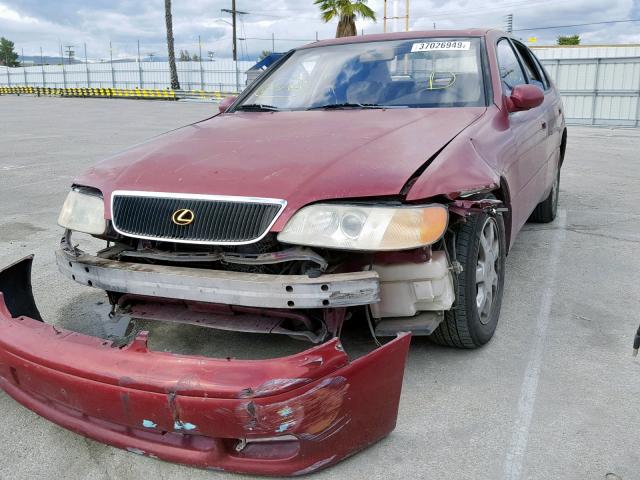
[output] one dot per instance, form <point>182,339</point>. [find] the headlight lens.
<point>83,212</point>
<point>377,228</point>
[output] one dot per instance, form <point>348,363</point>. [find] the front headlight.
<point>377,228</point>
<point>83,212</point>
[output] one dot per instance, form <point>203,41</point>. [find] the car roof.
<point>471,32</point>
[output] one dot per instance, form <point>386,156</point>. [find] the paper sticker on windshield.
<point>431,46</point>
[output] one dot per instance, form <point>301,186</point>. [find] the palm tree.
<point>175,84</point>
<point>347,11</point>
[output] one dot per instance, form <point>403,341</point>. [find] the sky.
<point>32,24</point>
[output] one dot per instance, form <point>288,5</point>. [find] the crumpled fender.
<point>458,168</point>
<point>284,416</point>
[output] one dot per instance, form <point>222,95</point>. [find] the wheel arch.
<point>503,194</point>
<point>563,146</point>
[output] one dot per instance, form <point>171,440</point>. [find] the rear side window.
<point>511,73</point>
<point>545,78</point>
<point>531,68</point>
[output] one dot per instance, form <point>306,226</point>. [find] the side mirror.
<point>226,103</point>
<point>524,97</point>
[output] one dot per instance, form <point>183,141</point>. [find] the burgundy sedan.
<point>379,179</point>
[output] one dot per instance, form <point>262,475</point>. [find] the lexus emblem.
<point>183,217</point>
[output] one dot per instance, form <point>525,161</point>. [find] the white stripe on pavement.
<point>515,455</point>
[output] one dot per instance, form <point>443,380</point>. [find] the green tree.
<point>195,58</point>
<point>8,56</point>
<point>173,71</point>
<point>569,40</point>
<point>264,54</point>
<point>184,56</point>
<point>346,11</point>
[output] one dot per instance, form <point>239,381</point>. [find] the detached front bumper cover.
<point>285,416</point>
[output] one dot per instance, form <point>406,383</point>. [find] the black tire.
<point>464,326</point>
<point>546,210</point>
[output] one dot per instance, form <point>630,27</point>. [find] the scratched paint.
<point>180,425</point>
<point>283,427</point>
<point>311,413</point>
<point>286,411</point>
<point>337,425</point>
<point>312,468</point>
<point>137,451</point>
<point>277,384</point>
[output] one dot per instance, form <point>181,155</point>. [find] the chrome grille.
<point>217,219</point>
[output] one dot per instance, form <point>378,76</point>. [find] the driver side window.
<point>511,72</point>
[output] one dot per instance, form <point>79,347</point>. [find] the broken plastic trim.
<point>290,415</point>
<point>468,207</point>
<point>15,284</point>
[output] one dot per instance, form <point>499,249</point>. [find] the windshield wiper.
<point>258,107</point>
<point>333,106</point>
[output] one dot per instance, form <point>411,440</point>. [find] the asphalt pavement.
<point>555,394</point>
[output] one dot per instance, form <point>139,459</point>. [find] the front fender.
<point>459,168</point>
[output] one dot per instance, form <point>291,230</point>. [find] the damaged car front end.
<point>360,181</point>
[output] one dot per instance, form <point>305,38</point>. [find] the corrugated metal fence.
<point>600,85</point>
<point>218,76</point>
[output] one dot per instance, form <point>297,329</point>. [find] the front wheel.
<point>480,247</point>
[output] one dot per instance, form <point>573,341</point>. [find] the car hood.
<point>301,157</point>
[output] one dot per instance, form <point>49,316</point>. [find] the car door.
<point>552,107</point>
<point>525,172</point>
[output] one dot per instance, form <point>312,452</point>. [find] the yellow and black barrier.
<point>91,92</point>
<point>115,93</point>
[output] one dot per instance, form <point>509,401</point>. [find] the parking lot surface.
<point>555,394</point>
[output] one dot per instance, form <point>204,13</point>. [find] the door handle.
<point>544,125</point>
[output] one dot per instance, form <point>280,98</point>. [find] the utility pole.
<point>113,73</point>
<point>406,25</point>
<point>200,65</point>
<point>395,16</point>
<point>235,30</point>
<point>385,17</point>
<point>234,13</point>
<point>44,77</point>
<point>70,53</point>
<point>86,65</point>
<point>139,68</point>
<point>64,74</point>
<point>24,69</point>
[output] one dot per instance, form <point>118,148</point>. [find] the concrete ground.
<point>555,395</point>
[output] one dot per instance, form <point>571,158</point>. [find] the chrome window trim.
<point>196,196</point>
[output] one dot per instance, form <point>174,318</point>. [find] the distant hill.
<point>49,60</point>
<point>37,60</point>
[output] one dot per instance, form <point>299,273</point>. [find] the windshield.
<point>416,73</point>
